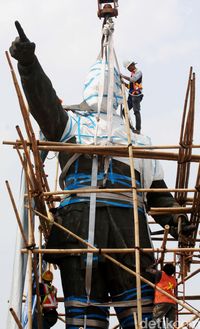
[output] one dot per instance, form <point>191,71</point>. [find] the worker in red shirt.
<point>164,306</point>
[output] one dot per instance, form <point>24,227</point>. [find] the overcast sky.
<point>161,35</point>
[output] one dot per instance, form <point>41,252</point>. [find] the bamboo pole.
<point>185,324</point>
<point>116,190</point>
<point>113,150</point>
<point>39,313</point>
<point>17,214</point>
<point>136,147</point>
<point>163,246</point>
<point>28,159</point>
<point>28,178</point>
<point>107,250</point>
<point>20,98</point>
<point>16,318</point>
<point>30,321</point>
<point>135,214</point>
<point>40,255</point>
<point>31,243</point>
<point>166,210</point>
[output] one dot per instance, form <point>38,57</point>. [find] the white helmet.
<point>127,63</point>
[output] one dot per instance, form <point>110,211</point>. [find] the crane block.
<point>107,8</point>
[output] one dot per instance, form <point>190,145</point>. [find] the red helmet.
<point>47,276</point>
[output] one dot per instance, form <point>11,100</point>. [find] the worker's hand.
<point>22,49</point>
<point>121,77</point>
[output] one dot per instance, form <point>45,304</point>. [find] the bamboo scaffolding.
<point>38,190</point>
<point>185,152</point>
<point>186,137</point>
<point>113,260</point>
<point>38,178</point>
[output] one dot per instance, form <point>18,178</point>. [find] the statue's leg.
<point>115,229</point>
<point>122,285</point>
<point>73,269</point>
<point>77,310</point>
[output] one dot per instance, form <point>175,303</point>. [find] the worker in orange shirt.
<point>164,306</point>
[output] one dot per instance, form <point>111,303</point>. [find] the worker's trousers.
<point>166,311</point>
<point>134,103</point>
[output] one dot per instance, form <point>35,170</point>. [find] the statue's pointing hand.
<point>22,49</point>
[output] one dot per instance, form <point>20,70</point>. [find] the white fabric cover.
<point>95,82</point>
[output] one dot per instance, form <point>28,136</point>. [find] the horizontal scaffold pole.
<point>111,150</point>
<point>108,250</point>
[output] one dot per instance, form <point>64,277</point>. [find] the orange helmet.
<point>47,276</point>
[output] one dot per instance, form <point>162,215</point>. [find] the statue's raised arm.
<point>44,104</point>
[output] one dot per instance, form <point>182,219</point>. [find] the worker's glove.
<point>22,49</point>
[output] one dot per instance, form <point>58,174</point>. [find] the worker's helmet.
<point>47,276</point>
<point>169,269</point>
<point>127,63</point>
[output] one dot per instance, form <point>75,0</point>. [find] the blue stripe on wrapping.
<point>89,82</point>
<point>82,178</point>
<point>127,293</point>
<point>89,316</point>
<point>147,293</point>
<point>84,300</point>
<point>69,201</point>
<point>134,295</point>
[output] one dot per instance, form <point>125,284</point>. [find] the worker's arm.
<point>156,273</point>
<point>136,76</point>
<point>43,102</point>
